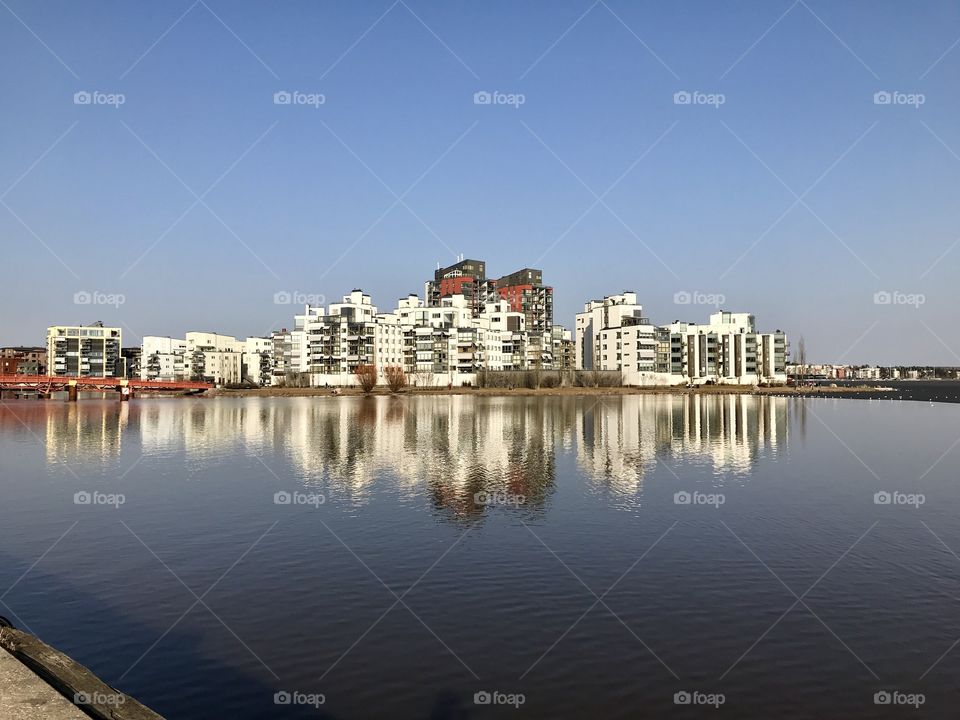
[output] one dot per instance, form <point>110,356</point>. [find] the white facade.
<point>215,358</point>
<point>436,346</point>
<point>163,358</point>
<point>613,335</point>
<point>611,312</point>
<point>258,360</point>
<point>729,349</point>
<point>84,351</point>
<point>220,359</point>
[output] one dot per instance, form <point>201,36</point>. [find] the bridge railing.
<point>45,381</point>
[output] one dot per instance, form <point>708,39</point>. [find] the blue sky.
<point>398,169</point>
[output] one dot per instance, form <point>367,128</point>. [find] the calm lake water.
<point>591,557</point>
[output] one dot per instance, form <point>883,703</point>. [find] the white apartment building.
<point>326,347</point>
<point>258,360</point>
<point>445,344</point>
<point>163,358</point>
<point>215,358</point>
<point>613,335</point>
<point>220,359</point>
<point>729,349</point>
<point>564,355</point>
<point>84,351</point>
<point>614,311</point>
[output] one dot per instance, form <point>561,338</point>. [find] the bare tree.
<point>801,358</point>
<point>424,378</point>
<point>296,379</point>
<point>396,378</point>
<point>367,377</point>
<point>536,374</point>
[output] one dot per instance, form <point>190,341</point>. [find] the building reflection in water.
<point>447,447</point>
<point>623,437</point>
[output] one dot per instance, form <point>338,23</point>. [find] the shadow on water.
<point>176,680</point>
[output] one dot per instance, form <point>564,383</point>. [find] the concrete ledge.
<point>25,696</point>
<point>39,682</point>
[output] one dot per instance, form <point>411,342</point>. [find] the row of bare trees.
<point>394,374</point>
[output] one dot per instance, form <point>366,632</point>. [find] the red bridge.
<point>46,384</point>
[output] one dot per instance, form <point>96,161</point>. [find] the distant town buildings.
<point>821,371</point>
<point>22,360</point>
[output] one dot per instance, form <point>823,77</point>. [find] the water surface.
<point>387,588</point>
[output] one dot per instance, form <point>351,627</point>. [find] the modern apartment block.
<point>611,313</point>
<point>730,350</point>
<point>258,360</point>
<point>612,334</point>
<point>163,358</point>
<point>464,277</point>
<point>219,359</point>
<point>564,351</point>
<point>333,342</point>
<point>523,291</point>
<point>84,351</point>
<point>438,344</point>
<point>526,293</point>
<point>131,361</point>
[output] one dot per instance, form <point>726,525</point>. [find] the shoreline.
<point>542,392</point>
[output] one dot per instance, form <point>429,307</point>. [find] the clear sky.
<point>783,188</point>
